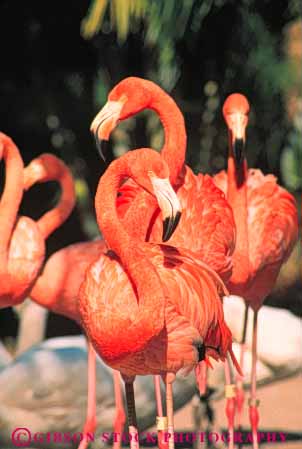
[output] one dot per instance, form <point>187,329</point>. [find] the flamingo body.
<point>164,297</point>
<point>58,286</point>
<point>272,225</point>
<point>192,309</point>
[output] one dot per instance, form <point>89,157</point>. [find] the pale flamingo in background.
<point>207,226</point>
<point>22,242</point>
<point>147,308</point>
<point>57,289</point>
<point>267,230</point>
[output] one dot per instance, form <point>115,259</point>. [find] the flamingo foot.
<point>254,420</point>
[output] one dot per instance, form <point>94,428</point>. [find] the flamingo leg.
<point>132,421</point>
<point>253,401</point>
<point>90,423</point>
<point>120,416</point>
<point>230,394</point>
<point>239,381</point>
<point>161,420</point>
<point>203,379</point>
<point>170,377</point>
<point>200,402</point>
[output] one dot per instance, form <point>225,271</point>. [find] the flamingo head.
<point>127,98</point>
<point>235,112</point>
<point>151,172</point>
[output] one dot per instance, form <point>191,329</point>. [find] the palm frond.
<point>122,12</point>
<point>92,23</point>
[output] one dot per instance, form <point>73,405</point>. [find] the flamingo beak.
<point>238,126</point>
<point>104,122</point>
<point>169,205</point>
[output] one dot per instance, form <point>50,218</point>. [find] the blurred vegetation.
<point>201,51</point>
<point>60,61</point>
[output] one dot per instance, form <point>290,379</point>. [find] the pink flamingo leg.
<point>132,421</point>
<point>239,381</point>
<point>90,423</point>
<point>161,420</point>
<point>230,393</point>
<point>169,379</point>
<point>120,416</point>
<point>254,402</point>
<point>201,373</point>
<point>202,378</point>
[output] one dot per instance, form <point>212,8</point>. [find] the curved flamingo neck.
<point>174,149</point>
<point>237,198</point>
<point>48,167</point>
<point>131,253</point>
<point>12,194</point>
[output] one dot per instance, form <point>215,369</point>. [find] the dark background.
<point>53,81</point>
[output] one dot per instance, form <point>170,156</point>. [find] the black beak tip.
<point>101,145</point>
<point>238,148</point>
<point>166,229</point>
<point>177,219</point>
<point>169,226</point>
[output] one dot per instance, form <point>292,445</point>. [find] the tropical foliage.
<point>202,50</point>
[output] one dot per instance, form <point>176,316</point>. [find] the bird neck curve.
<point>48,167</point>
<point>174,148</point>
<point>12,193</point>
<point>145,280</point>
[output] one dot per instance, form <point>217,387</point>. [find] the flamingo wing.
<point>273,231</point>
<point>272,221</point>
<point>25,257</point>
<point>207,224</point>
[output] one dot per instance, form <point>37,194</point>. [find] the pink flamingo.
<point>207,225</point>
<point>22,242</point>
<point>267,230</point>
<point>147,308</point>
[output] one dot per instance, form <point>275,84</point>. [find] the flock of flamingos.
<point>175,244</point>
